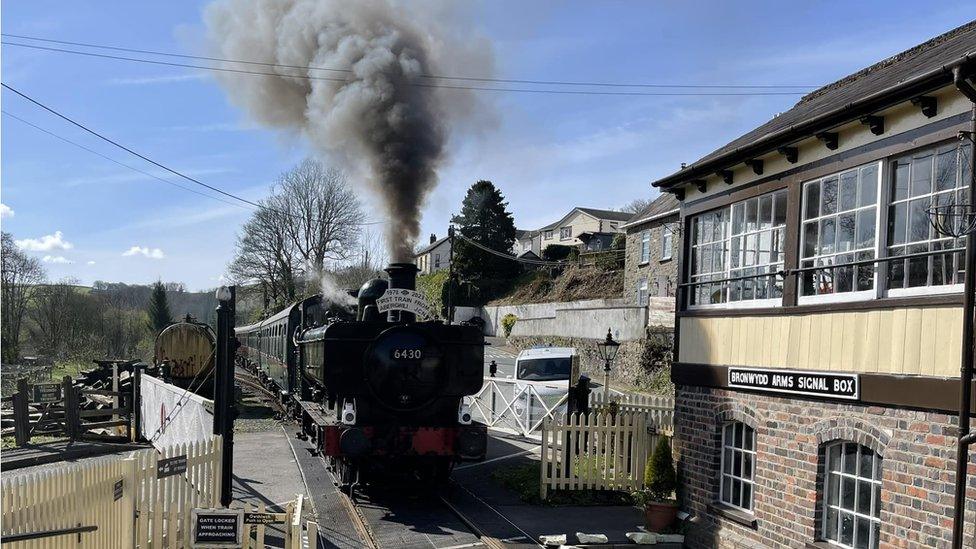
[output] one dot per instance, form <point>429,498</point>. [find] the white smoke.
<point>376,112</point>
<point>332,293</point>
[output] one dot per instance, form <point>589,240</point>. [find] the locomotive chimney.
<point>403,276</point>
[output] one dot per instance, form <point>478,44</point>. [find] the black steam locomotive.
<point>375,389</point>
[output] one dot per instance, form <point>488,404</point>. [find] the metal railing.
<point>783,273</point>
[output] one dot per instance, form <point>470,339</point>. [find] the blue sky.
<point>92,219</point>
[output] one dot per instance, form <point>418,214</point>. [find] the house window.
<point>565,233</point>
<point>547,235</point>
<point>919,181</point>
<point>642,292</point>
<point>645,250</point>
<point>667,242</point>
<point>839,225</point>
<point>744,239</point>
<point>852,496</point>
<point>437,261</point>
<point>738,465</point>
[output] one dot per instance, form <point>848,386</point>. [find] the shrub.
<point>558,252</point>
<point>508,322</point>
<point>659,474</point>
<point>433,286</point>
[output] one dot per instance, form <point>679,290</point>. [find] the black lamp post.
<point>224,410</point>
<point>608,352</point>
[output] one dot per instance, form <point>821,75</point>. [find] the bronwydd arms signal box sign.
<point>820,384</point>
<point>400,299</point>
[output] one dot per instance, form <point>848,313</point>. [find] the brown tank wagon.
<point>186,351</point>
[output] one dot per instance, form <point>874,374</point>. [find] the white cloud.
<point>45,243</point>
<point>163,79</point>
<point>145,251</point>
<point>6,211</point>
<point>57,259</point>
<point>90,263</point>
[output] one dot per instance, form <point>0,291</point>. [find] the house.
<point>435,256</point>
<point>817,371</point>
<point>570,227</point>
<point>527,242</point>
<point>653,240</point>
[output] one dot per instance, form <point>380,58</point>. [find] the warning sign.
<point>399,299</point>
<point>217,527</point>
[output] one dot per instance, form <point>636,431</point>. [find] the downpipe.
<point>959,76</point>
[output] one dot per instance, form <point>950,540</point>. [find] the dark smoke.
<point>382,120</point>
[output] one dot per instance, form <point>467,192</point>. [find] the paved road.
<point>503,356</point>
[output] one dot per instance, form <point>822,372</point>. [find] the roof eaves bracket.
<point>792,154</point>
<point>928,104</point>
<point>829,139</point>
<point>700,184</point>
<point>756,164</point>
<point>678,193</point>
<point>875,123</point>
<point>726,176</point>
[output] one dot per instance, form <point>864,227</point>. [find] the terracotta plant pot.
<point>660,515</point>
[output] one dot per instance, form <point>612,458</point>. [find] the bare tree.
<point>19,276</point>
<point>636,205</point>
<point>65,322</point>
<point>312,217</point>
<point>325,213</point>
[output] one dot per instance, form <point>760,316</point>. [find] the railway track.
<point>253,384</point>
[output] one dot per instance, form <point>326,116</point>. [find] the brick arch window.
<point>851,495</point>
<point>738,465</point>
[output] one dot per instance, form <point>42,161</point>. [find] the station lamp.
<point>608,352</point>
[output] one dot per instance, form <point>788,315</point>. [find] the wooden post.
<point>72,421</point>
<point>21,413</point>
<point>136,403</point>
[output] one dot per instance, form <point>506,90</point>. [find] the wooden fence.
<point>606,449</point>
<point>142,500</point>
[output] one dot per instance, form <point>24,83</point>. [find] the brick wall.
<point>918,460</point>
<point>634,270</point>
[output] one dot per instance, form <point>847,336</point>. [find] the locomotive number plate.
<point>407,354</point>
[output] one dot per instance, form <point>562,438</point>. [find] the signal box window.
<point>852,496</point>
<point>738,465</point>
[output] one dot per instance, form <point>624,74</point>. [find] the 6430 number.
<point>407,354</point>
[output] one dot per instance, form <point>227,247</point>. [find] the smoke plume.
<point>333,294</point>
<point>377,114</point>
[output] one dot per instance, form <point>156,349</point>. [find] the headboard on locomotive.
<point>184,351</point>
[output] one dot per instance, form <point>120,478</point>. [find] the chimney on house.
<point>433,238</point>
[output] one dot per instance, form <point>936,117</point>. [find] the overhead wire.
<point>150,160</point>
<point>430,76</point>
<point>415,84</point>
<point>508,256</point>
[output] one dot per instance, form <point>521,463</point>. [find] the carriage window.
<point>738,465</point>
<point>918,182</point>
<point>852,496</point>
<point>839,224</point>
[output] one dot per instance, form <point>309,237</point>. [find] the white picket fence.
<point>606,449</point>
<point>126,500</point>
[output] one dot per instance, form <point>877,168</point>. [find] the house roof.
<point>923,68</point>
<point>612,215</point>
<point>521,233</point>
<point>662,206</point>
<point>430,247</point>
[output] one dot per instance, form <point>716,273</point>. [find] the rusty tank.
<point>185,352</point>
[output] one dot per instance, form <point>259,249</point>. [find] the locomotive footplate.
<point>313,420</point>
<point>465,442</point>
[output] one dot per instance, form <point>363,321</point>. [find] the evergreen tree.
<point>159,315</point>
<point>484,218</point>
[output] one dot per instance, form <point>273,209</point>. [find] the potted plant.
<point>658,495</point>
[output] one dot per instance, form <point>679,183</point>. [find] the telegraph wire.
<point>508,256</point>
<point>123,164</point>
<point>431,76</point>
<point>150,160</point>
<point>416,84</point>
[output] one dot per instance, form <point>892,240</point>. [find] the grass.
<point>524,480</point>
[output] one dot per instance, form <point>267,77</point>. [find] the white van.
<point>543,376</point>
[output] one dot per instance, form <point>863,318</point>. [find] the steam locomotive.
<point>374,390</point>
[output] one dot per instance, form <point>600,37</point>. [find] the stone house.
<point>819,340</point>
<point>435,256</point>
<point>651,257</point>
